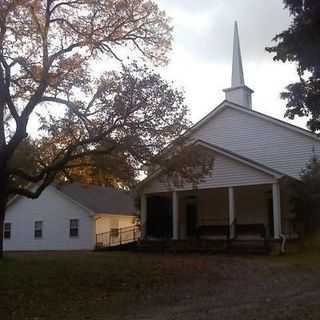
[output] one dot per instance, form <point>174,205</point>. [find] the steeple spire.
<point>239,93</point>
<point>237,69</point>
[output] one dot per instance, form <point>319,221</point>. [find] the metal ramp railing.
<point>117,237</point>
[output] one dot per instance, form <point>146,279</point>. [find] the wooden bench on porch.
<point>222,230</point>
<point>257,229</point>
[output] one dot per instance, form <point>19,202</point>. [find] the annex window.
<point>7,230</point>
<point>114,232</point>
<point>114,227</point>
<point>38,226</point>
<point>74,227</point>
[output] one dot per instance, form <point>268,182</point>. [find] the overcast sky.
<point>201,58</point>
<point>202,53</point>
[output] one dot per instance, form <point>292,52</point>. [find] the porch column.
<point>175,216</point>
<point>276,210</point>
<point>143,215</point>
<point>231,212</point>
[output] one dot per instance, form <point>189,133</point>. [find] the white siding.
<point>252,204</point>
<point>104,222</point>
<point>213,207</point>
<point>55,210</point>
<point>260,140</point>
<point>226,172</point>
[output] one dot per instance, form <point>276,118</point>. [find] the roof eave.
<point>274,173</point>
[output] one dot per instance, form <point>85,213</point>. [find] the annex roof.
<point>100,199</point>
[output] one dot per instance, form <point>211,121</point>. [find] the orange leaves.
<point>27,3</point>
<point>30,4</point>
<point>187,164</point>
<point>37,72</point>
<point>51,45</point>
<point>85,30</point>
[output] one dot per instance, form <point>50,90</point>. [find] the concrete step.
<point>249,247</point>
<point>183,246</point>
<point>205,246</point>
<point>120,247</point>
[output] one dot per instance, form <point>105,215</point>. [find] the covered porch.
<point>240,199</point>
<point>230,213</point>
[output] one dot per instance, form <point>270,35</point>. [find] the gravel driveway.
<point>227,287</point>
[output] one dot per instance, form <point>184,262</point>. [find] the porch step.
<point>120,247</point>
<point>206,246</point>
<point>249,247</point>
<point>183,246</point>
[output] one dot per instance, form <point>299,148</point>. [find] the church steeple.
<point>237,69</point>
<point>239,93</point>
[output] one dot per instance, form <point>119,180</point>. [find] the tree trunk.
<point>2,214</point>
<point>4,181</point>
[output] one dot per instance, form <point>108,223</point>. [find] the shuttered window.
<point>38,226</point>
<point>74,227</point>
<point>7,230</point>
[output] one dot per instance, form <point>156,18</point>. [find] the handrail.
<point>257,228</point>
<point>208,221</point>
<point>289,228</point>
<point>233,229</point>
<point>123,236</point>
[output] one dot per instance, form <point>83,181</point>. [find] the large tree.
<point>305,198</point>
<point>46,50</point>
<point>301,44</point>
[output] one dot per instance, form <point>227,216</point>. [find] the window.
<point>114,232</point>
<point>114,227</point>
<point>38,229</point>
<point>74,228</point>
<point>7,230</point>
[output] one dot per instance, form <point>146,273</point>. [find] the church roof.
<point>239,98</point>
<point>229,154</point>
<point>229,104</point>
<point>235,156</point>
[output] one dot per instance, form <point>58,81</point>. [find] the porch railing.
<point>118,237</point>
<point>233,229</point>
<point>213,228</point>
<point>291,228</point>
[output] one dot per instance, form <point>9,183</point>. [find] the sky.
<point>201,59</point>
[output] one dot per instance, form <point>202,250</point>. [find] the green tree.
<point>301,44</point>
<point>305,197</point>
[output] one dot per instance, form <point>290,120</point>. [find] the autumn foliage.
<point>107,124</point>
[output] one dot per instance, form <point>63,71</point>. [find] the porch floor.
<point>238,246</point>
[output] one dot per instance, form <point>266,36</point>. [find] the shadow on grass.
<point>74,286</point>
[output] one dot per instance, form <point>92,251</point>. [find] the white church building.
<point>70,217</point>
<point>254,154</point>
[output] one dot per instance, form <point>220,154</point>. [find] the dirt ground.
<point>224,287</point>
<point>139,286</point>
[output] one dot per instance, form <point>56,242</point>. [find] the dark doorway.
<point>191,219</point>
<point>270,217</point>
<point>159,217</point>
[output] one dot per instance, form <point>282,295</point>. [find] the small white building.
<point>254,154</point>
<point>69,217</point>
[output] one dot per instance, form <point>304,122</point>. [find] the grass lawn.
<point>76,286</point>
<point>83,285</point>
